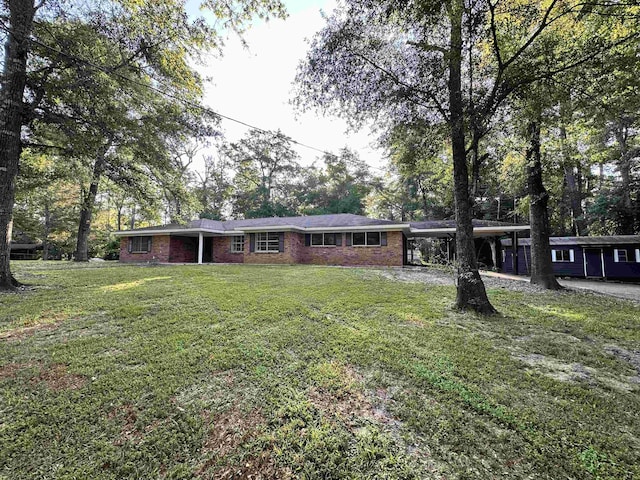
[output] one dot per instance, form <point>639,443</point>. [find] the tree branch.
<point>411,88</point>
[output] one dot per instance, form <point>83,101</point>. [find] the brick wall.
<point>184,250</point>
<point>160,250</point>
<point>293,242</point>
<point>222,250</point>
<point>388,256</point>
<point>295,251</point>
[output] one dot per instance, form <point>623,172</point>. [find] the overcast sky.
<point>254,85</point>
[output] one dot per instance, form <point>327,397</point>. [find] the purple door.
<point>593,262</point>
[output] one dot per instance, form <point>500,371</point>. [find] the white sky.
<point>254,85</point>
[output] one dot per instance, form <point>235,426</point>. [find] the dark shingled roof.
<point>311,221</point>
<point>595,241</point>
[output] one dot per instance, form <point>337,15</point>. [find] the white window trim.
<point>637,255</point>
<point>554,255</point>
<point>616,255</point>
<point>324,243</point>
<point>235,242</point>
<point>366,237</point>
<point>266,242</point>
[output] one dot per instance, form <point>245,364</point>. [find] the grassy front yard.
<point>112,371</point>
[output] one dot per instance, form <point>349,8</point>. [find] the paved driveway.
<point>629,291</point>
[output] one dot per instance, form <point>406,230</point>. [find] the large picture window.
<point>368,239</point>
<point>237,244</point>
<point>140,245</point>
<point>268,242</point>
<point>324,239</point>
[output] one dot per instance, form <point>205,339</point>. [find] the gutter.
<point>443,231</point>
<point>145,233</point>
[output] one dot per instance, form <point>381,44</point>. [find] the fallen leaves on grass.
<point>259,467</point>
<point>225,433</point>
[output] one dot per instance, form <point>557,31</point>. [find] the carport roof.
<point>599,241</point>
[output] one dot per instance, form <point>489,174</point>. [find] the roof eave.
<point>146,233</point>
<point>375,228</point>
<point>434,232</point>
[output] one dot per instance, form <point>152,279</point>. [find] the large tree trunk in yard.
<point>88,202</point>
<point>14,76</point>
<point>471,293</point>
<point>541,266</point>
<point>573,186</point>
<point>624,167</point>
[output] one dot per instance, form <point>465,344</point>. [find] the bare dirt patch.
<point>260,467</point>
<point>225,433</point>
<point>576,372</point>
<point>10,370</point>
<point>350,403</point>
<point>632,357</point>
<point>128,432</point>
<point>230,429</point>
<point>17,334</point>
<point>57,378</point>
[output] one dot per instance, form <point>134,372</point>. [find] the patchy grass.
<point>110,371</point>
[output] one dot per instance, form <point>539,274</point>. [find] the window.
<point>140,245</point>
<point>565,255</point>
<point>373,238</point>
<point>237,244</point>
<point>369,239</point>
<point>268,242</point>
<point>324,239</point>
<point>359,238</point>
<point>620,255</point>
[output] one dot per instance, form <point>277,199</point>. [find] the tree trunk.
<point>541,266</point>
<point>86,211</point>
<point>133,217</point>
<point>14,77</point>
<point>471,293</point>
<point>624,167</point>
<point>119,218</point>
<point>46,231</point>
<point>573,186</point>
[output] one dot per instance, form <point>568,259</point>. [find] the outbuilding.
<point>614,256</point>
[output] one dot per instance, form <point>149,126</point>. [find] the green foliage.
<point>115,371</point>
<point>341,186</point>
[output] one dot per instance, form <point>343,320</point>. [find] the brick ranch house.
<point>338,239</point>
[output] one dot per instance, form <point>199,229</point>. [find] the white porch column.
<point>200,248</point>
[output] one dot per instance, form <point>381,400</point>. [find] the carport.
<point>487,235</point>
